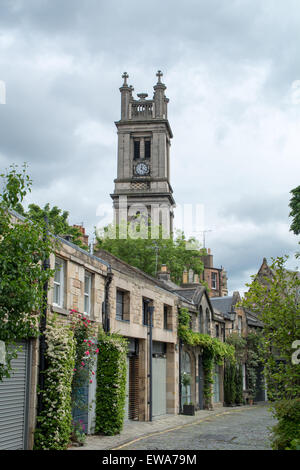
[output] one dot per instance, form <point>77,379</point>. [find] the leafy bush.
<point>214,351</point>
<point>286,433</point>
<point>111,383</point>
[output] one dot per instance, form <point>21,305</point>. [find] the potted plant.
<point>185,379</point>
<point>78,434</point>
<point>189,409</point>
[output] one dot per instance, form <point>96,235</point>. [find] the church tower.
<point>143,184</point>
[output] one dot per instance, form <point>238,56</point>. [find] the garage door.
<point>159,386</point>
<point>14,403</point>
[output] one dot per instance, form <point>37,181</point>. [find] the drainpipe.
<point>106,323</point>
<point>43,324</point>
<point>180,391</point>
<point>150,323</point>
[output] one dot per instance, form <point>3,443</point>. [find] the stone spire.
<point>126,95</point>
<point>160,99</point>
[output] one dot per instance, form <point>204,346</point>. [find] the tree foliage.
<point>295,210</point>
<point>23,249</point>
<point>140,250</point>
<point>276,301</point>
<point>57,221</point>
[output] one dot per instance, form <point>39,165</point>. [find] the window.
<point>146,304</point>
<point>145,312</point>
<point>223,332</point>
<point>136,144</point>
<point>217,331</point>
<point>213,280</point>
<point>240,325</point>
<point>87,292</point>
<point>167,317</point>
<point>207,322</point>
<point>147,149</point>
<point>120,305</point>
<point>58,294</point>
<point>201,320</point>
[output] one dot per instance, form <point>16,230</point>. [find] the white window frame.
<point>87,295</point>
<point>240,324</point>
<point>61,283</point>
<point>214,280</point>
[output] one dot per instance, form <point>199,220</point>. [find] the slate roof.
<point>223,305</point>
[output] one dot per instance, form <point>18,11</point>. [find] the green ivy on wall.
<point>54,425</point>
<point>214,351</point>
<point>111,383</point>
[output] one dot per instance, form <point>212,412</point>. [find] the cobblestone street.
<point>239,429</point>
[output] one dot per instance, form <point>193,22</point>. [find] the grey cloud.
<point>259,209</point>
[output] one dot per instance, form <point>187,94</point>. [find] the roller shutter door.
<point>14,403</point>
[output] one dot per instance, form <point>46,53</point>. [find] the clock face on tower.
<point>142,169</point>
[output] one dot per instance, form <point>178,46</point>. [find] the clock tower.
<point>143,184</point>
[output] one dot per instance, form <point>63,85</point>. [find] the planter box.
<point>189,410</point>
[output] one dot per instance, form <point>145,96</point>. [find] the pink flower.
<point>93,372</point>
<point>82,364</point>
<point>91,381</point>
<point>97,350</point>
<point>87,352</point>
<point>84,340</point>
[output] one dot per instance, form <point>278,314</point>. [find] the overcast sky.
<point>232,71</point>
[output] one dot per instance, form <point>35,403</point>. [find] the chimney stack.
<point>84,238</point>
<point>164,274</point>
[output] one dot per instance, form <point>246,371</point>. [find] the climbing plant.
<point>229,383</point>
<point>85,335</point>
<point>233,375</point>
<point>111,383</point>
<point>54,424</point>
<point>214,351</point>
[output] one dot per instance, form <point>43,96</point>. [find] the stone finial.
<point>142,96</point>
<point>125,76</point>
<point>159,75</point>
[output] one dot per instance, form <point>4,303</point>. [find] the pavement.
<point>135,431</point>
